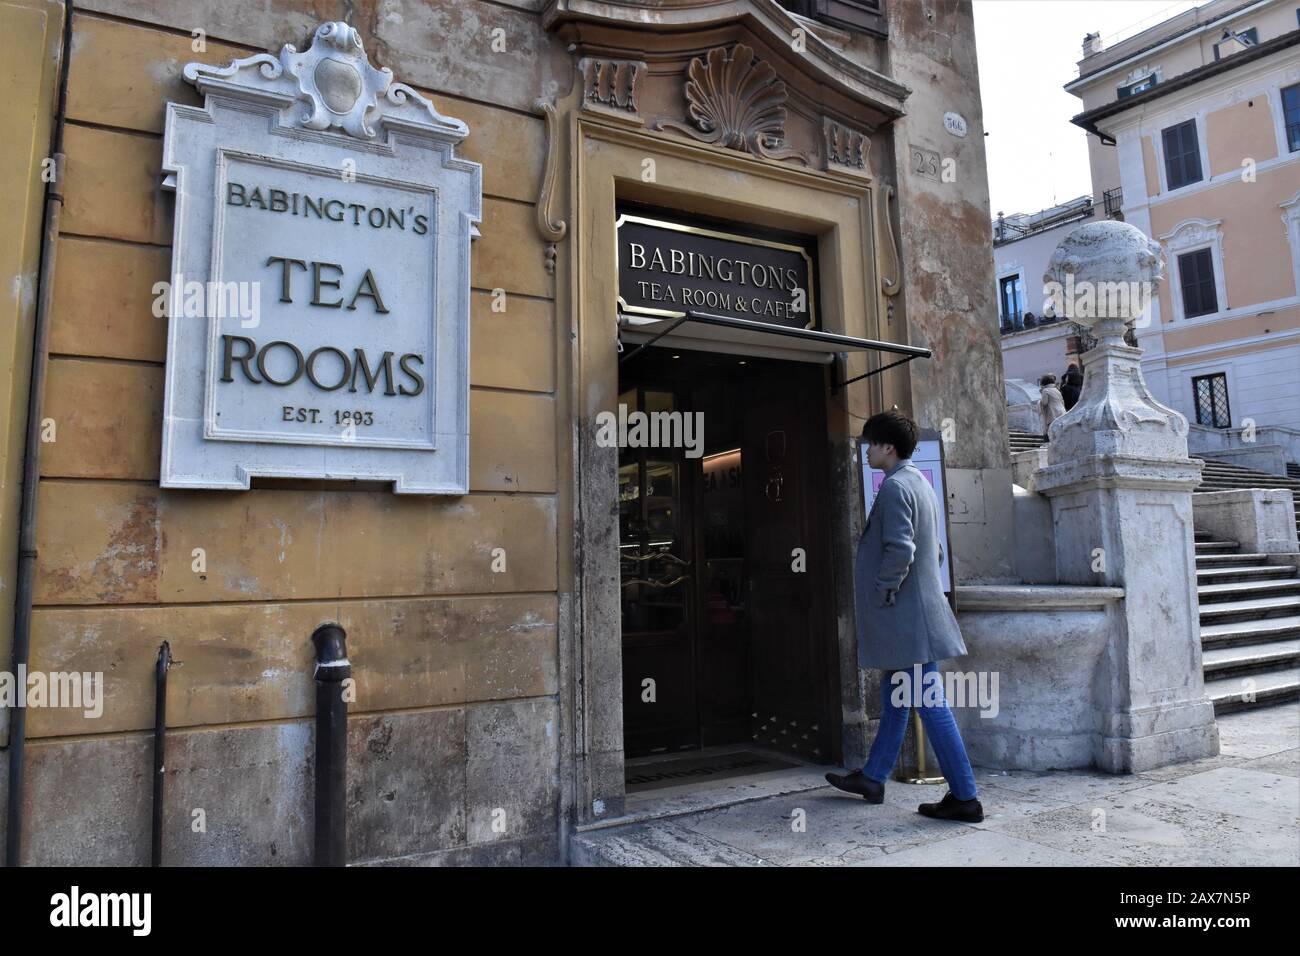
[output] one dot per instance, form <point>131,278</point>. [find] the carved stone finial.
<point>1104,275</point>
<point>736,100</point>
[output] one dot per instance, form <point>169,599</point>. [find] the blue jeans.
<point>940,730</point>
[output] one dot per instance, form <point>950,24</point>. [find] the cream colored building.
<point>1195,140</point>
<point>1034,344</point>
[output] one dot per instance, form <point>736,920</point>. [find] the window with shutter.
<point>1196,277</point>
<point>1291,115</point>
<point>865,15</point>
<point>1182,155</point>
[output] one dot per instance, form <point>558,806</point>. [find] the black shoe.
<point>872,791</point>
<point>950,808</point>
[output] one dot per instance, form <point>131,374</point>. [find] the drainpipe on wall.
<point>32,455</point>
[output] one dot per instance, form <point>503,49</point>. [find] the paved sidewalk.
<point>1240,808</point>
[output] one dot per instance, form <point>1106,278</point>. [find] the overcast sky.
<point>1027,52</point>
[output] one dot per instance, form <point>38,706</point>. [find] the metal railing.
<point>1113,199</point>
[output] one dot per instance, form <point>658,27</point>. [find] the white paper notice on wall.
<point>928,459</point>
<point>319,299</point>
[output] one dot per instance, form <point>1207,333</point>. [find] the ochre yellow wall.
<point>1241,131</point>
<point>406,576</point>
<point>1256,256</point>
<point>30,47</point>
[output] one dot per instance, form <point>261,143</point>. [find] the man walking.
<point>904,619</point>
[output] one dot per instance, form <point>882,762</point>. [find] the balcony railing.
<point>1113,199</point>
<point>1018,323</point>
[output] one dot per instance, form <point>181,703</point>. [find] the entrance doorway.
<point>728,624</point>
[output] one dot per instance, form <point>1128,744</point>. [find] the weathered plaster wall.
<point>948,281</point>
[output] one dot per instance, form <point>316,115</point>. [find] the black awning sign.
<point>670,268</point>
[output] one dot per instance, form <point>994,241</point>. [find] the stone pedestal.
<point>1120,484</point>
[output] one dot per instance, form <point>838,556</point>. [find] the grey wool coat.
<point>903,616</point>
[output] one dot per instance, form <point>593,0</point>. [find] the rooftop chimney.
<point>1091,44</point>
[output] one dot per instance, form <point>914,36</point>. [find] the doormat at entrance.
<point>679,770</point>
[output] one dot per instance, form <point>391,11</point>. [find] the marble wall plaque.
<point>320,292</point>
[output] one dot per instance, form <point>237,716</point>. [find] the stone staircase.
<point>1250,609</point>
<point>1250,626</point>
<point>1025,441</point>
<point>1221,476</point>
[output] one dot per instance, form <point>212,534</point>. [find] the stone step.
<point>1220,560</point>
<point>1209,486</point>
<point>1244,572</point>
<point>1240,590</point>
<point>1227,481</point>
<point>1231,471</point>
<point>1250,631</point>
<point>1211,461</point>
<point>1204,546</point>
<point>1228,471</point>
<point>1223,468</point>
<point>1220,612</point>
<point>657,843</point>
<point>1251,658</point>
<point>1234,693</point>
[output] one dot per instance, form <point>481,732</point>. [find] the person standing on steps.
<point>1051,405</point>
<point>1071,386</point>
<point>904,619</point>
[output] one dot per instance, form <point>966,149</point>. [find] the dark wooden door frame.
<point>660,374</point>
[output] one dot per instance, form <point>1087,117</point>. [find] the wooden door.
<point>657,571</point>
<point>791,591</point>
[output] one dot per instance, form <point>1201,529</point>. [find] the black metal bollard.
<point>159,748</point>
<point>332,668</point>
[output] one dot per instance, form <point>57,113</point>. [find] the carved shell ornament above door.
<point>736,101</point>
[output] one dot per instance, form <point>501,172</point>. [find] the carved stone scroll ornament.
<point>736,101</point>
<point>551,230</point>
<point>889,278</point>
<point>335,83</point>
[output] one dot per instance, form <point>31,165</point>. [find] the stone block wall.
<point>453,744</point>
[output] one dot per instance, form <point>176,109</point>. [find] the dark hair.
<point>1048,379</point>
<point>891,428</point>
